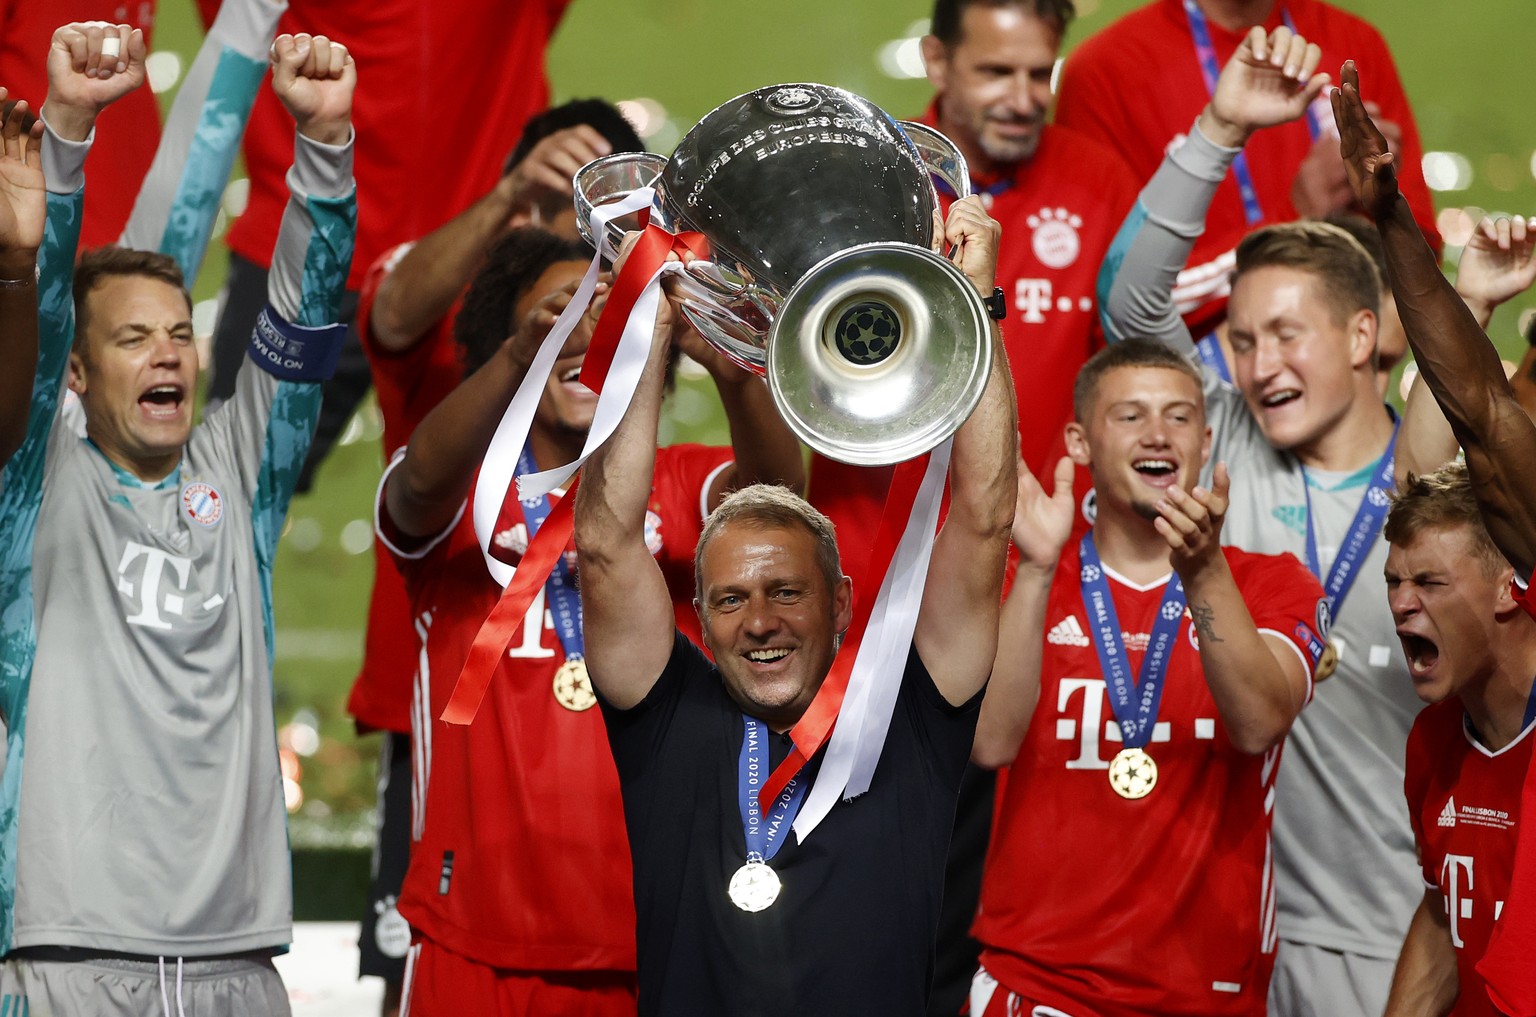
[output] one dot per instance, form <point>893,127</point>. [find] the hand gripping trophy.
<point>819,212</point>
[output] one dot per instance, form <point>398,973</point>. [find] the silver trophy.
<point>819,212</point>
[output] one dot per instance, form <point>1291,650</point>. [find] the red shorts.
<point>441,983</point>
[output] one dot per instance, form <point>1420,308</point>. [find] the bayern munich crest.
<point>202,503</point>
<point>652,532</point>
<point>1055,240</point>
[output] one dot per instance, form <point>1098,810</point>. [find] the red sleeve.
<point>1286,600</point>
<point>1523,595</point>
<point>678,493</point>
<point>1415,788</point>
<point>408,383</point>
<point>1087,102</point>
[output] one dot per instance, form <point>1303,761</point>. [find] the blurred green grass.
<point>1461,64</point>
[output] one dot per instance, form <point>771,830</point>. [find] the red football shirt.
<point>1465,805</point>
<point>128,132</point>
<point>1136,86</point>
<point>408,385</point>
<point>518,853</point>
<point>1059,215</point>
<point>1164,905</point>
<point>434,119</point>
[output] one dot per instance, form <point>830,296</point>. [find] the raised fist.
<point>91,65</point>
<point>314,77</point>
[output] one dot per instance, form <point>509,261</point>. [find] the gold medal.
<point>755,886</point>
<point>1132,774</point>
<point>1327,663</point>
<point>573,689</point>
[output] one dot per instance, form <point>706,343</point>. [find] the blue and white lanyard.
<point>1362,531</point>
<point>764,835</point>
<point>1210,70</point>
<point>559,589</point>
<point>1135,708</point>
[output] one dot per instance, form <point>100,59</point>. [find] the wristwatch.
<point>997,305</point>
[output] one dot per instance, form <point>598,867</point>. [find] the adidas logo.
<point>1448,814</point>
<point>1067,633</point>
<point>1293,517</point>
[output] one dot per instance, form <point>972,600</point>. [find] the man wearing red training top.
<point>1471,652</point>
<point>1059,197</point>
<point>1136,86</point>
<point>1144,734</point>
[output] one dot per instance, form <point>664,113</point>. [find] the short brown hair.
<point>769,506</point>
<point>103,263</point>
<point>1342,267</point>
<point>1442,500</point>
<point>945,25</point>
<point>1126,353</point>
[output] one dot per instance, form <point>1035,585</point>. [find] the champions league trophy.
<point>818,209</point>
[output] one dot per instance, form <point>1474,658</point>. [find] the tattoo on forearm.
<point>1204,618</point>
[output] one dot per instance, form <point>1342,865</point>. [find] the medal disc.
<point>1327,663</point>
<point>754,887</point>
<point>573,689</point>
<point>1132,773</point>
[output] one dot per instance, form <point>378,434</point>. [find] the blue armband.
<point>294,352</point>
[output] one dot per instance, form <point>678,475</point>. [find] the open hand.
<point>1368,159</point>
<point>314,77</point>
<point>545,172</point>
<point>1270,80</point>
<point>1043,522</point>
<point>1499,262</point>
<point>91,64</point>
<point>1191,523</point>
<point>23,195</point>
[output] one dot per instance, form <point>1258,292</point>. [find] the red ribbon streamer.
<point>815,725</point>
<point>544,549</point>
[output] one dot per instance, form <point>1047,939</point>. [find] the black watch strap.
<point>997,305</point>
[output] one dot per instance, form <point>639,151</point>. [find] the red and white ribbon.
<point>881,656</point>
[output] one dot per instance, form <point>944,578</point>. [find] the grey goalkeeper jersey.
<point>1344,853</point>
<point>141,807</point>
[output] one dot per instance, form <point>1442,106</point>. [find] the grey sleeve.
<point>1137,280</point>
<point>314,246</point>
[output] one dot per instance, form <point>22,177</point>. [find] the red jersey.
<point>408,385</point>
<point>129,132</point>
<point>1105,906</point>
<point>1464,802</point>
<point>518,854</point>
<point>412,70</point>
<point>1059,212</point>
<point>1136,86</point>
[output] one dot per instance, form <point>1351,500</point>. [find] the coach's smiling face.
<point>134,367</point>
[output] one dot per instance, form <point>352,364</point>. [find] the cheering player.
<point>1471,653</point>
<point>1196,673</point>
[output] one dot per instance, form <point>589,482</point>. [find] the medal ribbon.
<point>1135,708</point>
<point>763,834</point>
<point>815,725</point>
<point>1530,708</point>
<point>618,351</point>
<point>1210,70</point>
<point>560,587</point>
<point>1363,531</point>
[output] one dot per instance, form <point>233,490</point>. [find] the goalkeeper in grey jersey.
<point>143,848</point>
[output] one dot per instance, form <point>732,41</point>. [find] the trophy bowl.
<point>819,209</point>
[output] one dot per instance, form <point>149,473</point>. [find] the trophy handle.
<point>940,157</point>
<point>610,179</point>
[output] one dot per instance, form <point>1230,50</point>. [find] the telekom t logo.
<point>1092,725</point>
<point>150,606</point>
<point>1458,896</point>
<point>1033,297</point>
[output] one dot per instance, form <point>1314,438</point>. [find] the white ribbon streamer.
<point>854,749</point>
<point>500,462</point>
